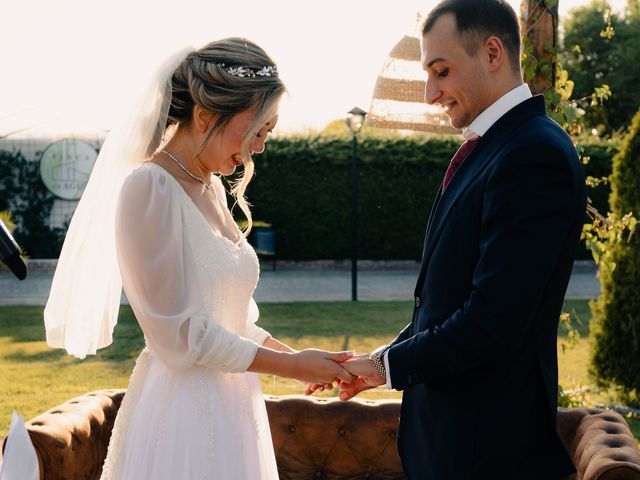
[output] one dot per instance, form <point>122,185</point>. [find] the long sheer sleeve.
<point>159,278</point>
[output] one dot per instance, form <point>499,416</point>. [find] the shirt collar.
<point>497,109</point>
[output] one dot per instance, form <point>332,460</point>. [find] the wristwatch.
<point>377,360</point>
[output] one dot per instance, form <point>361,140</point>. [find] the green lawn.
<point>34,378</point>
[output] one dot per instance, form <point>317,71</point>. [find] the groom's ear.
<point>493,53</point>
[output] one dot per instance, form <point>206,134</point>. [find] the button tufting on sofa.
<point>71,439</point>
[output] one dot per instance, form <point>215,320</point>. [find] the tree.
<point>540,65</point>
<point>616,313</point>
<point>540,41</point>
<point>604,235</point>
<point>602,48</point>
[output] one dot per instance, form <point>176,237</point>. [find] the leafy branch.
<point>541,67</point>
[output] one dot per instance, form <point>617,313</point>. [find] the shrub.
<point>23,194</point>
<point>616,313</point>
<point>303,187</point>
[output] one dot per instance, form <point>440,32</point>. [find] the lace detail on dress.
<point>164,408</point>
<point>114,452</point>
<point>228,299</point>
<point>203,403</point>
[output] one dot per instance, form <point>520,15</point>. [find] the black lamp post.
<point>355,120</point>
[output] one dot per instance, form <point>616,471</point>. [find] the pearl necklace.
<point>186,170</point>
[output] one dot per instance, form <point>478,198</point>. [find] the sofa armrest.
<point>71,439</point>
<point>600,444</point>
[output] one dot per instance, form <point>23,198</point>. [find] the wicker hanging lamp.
<point>398,97</point>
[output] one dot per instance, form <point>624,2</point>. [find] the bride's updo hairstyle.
<point>227,77</point>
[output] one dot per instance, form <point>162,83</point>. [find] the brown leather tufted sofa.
<point>320,438</point>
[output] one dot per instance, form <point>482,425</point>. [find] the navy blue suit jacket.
<point>478,362</point>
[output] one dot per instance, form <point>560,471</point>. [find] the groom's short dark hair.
<point>478,19</point>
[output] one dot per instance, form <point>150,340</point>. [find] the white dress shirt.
<point>480,125</point>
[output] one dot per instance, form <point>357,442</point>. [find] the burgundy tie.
<point>458,158</point>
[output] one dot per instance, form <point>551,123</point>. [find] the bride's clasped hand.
<point>364,376</point>
<point>311,366</point>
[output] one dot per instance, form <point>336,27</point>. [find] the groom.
<point>477,363</point>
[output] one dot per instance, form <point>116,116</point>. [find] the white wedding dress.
<point>191,410</point>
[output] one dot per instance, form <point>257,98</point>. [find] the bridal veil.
<point>82,309</point>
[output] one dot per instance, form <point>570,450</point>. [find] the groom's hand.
<point>368,377</point>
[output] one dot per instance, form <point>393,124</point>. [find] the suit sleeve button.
<point>417,302</point>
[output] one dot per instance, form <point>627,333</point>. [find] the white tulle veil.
<point>82,309</point>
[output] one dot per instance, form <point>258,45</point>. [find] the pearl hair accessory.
<point>268,71</point>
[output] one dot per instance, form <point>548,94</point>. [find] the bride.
<point>154,219</point>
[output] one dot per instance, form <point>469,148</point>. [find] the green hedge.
<point>303,187</point>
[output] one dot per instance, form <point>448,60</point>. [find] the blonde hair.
<point>202,80</point>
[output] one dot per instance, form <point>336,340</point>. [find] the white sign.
<point>65,167</point>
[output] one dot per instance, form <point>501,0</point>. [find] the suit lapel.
<point>481,157</point>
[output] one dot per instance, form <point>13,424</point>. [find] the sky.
<point>74,65</point>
